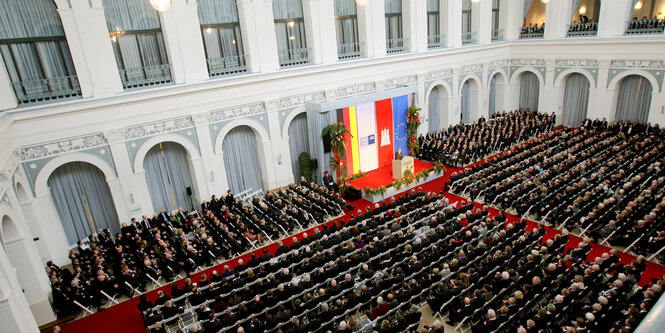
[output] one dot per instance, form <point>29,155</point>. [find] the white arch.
<point>614,83</point>
<point>41,183</point>
<point>145,147</point>
<point>9,232</point>
<point>500,71</point>
<point>444,84</point>
<point>564,75</point>
<point>469,77</point>
<point>516,74</point>
<point>289,118</point>
<point>259,130</point>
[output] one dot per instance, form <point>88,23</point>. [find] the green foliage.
<point>305,166</point>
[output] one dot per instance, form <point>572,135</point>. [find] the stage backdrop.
<point>376,130</point>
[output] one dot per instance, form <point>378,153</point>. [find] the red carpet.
<point>126,318</point>
<point>384,175</point>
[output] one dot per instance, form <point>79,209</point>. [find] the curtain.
<point>433,26</point>
<point>316,122</point>
<point>527,6</point>
<point>576,4</point>
<point>345,7</point>
<point>492,101</point>
<point>130,15</point>
<point>529,91</point>
<point>393,6</point>
<point>168,176</point>
<point>223,43</point>
<point>575,101</point>
<point>83,199</point>
<point>466,18</point>
<point>634,99</point>
<point>217,11</point>
<point>466,103</point>
<point>298,143</point>
<point>290,30</point>
<point>434,110</point>
<point>346,27</point>
<point>241,159</point>
<point>31,60</point>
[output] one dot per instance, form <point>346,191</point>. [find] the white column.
<point>511,18</point>
<point>184,43</point>
<point>604,104</point>
<point>142,195</point>
<point>90,46</point>
<point>126,176</point>
<point>557,18</point>
<point>213,165</point>
<point>320,30</point>
<point>414,18</point>
<point>277,149</point>
<point>53,234</point>
<point>452,18</point>
<point>7,95</point>
<point>372,29</point>
<point>657,110</point>
<point>260,54</point>
<point>513,96</point>
<point>482,21</point>
<point>613,17</point>
<point>15,314</point>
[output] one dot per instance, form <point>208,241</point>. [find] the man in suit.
<point>329,182</point>
<point>398,154</point>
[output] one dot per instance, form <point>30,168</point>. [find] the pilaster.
<point>320,28</point>
<point>484,19</point>
<point>557,18</point>
<point>414,18</point>
<point>372,29</point>
<point>613,17</point>
<point>7,96</point>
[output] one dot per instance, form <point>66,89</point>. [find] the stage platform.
<point>384,176</point>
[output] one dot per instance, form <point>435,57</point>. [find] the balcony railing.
<point>468,37</point>
<point>145,76</point>
<point>226,65</point>
<point>46,89</point>
<point>497,35</point>
<point>582,29</point>
<point>395,45</point>
<point>294,57</point>
<point>532,32</point>
<point>645,27</point>
<point>348,50</point>
<point>436,41</point>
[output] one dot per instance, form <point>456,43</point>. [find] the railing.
<point>348,50</point>
<point>395,45</point>
<point>582,29</point>
<point>645,27</point>
<point>144,76</point>
<point>294,57</point>
<point>497,34</point>
<point>532,32</point>
<point>226,65</point>
<point>436,41</point>
<point>46,89</point>
<point>468,37</point>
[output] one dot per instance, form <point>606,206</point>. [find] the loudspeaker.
<point>326,143</point>
<point>314,164</point>
<point>189,191</point>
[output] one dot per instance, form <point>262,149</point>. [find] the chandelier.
<point>161,5</point>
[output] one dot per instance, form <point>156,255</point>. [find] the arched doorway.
<point>575,100</point>
<point>496,93</point>
<point>167,173</point>
<point>438,108</point>
<point>83,200</point>
<point>634,100</point>
<point>241,160</point>
<point>529,91</point>
<point>298,143</point>
<point>469,101</point>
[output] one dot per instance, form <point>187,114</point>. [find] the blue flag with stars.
<point>400,137</point>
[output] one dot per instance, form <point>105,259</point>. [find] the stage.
<point>383,177</point>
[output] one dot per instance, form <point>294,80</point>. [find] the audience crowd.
<point>463,144</point>
<point>532,29</point>
<point>655,24</point>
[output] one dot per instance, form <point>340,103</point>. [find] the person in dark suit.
<point>398,154</point>
<point>329,182</point>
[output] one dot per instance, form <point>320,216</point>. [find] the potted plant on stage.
<point>336,132</point>
<point>413,120</point>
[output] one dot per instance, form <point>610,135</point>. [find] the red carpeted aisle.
<point>126,318</point>
<point>384,176</point>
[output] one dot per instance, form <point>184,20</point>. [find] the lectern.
<point>400,166</point>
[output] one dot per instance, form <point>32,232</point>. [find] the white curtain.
<point>492,101</point>
<point>241,159</point>
<point>346,27</point>
<point>29,61</point>
<point>433,18</point>
<point>290,34</point>
<point>529,91</point>
<point>393,20</point>
<point>466,103</point>
<point>576,100</point>
<point>316,122</point>
<point>168,176</point>
<point>434,110</point>
<point>634,99</point>
<point>221,34</point>
<point>466,17</point>
<point>130,15</point>
<point>83,199</point>
<point>576,4</point>
<point>527,6</point>
<point>393,6</point>
<point>217,11</point>
<point>298,143</point>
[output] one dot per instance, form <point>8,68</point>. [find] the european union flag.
<point>400,137</point>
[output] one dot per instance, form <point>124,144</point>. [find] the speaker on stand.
<point>314,165</point>
<point>190,193</point>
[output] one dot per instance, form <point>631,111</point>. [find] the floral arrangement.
<point>343,180</point>
<point>409,178</point>
<point>381,190</point>
<point>413,120</point>
<point>337,132</point>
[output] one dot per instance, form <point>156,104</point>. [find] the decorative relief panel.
<point>237,111</point>
<point>168,125</point>
<point>10,166</point>
<point>471,69</point>
<point>638,64</point>
<point>583,63</point>
<point>291,101</point>
<point>400,81</point>
<point>528,62</point>
<point>63,146</point>
<point>499,63</point>
<point>357,89</point>
<point>430,76</point>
